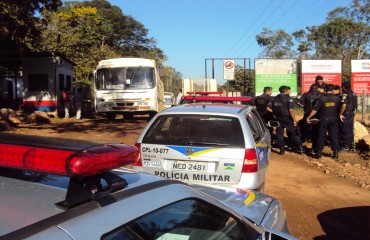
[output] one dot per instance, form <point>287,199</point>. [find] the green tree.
<point>20,26</point>
<point>275,44</point>
<point>94,30</point>
<point>129,37</point>
<point>172,79</point>
<point>345,35</point>
<point>80,33</point>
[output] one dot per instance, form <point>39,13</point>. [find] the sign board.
<point>276,73</point>
<point>229,69</point>
<point>360,76</point>
<point>331,70</point>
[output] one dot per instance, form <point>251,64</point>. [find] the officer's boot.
<point>301,149</point>
<point>335,155</point>
<point>282,151</point>
<point>318,155</point>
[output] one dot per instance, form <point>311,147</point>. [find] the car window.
<point>187,219</point>
<point>254,126</point>
<point>200,130</point>
<point>262,124</point>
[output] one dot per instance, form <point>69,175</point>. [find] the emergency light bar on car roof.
<point>68,157</point>
<point>86,162</point>
<point>205,93</point>
<point>217,98</point>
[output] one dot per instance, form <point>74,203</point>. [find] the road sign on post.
<point>229,69</point>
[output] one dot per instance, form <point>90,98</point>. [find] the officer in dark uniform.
<point>320,89</point>
<point>347,115</point>
<point>261,102</point>
<point>308,101</point>
<point>282,107</point>
<point>327,109</point>
<point>319,80</point>
<point>337,91</point>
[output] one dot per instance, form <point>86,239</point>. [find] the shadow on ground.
<point>345,223</point>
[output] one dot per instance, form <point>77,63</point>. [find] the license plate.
<point>189,166</point>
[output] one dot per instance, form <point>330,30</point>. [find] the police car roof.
<point>210,108</point>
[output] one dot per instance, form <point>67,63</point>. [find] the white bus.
<point>127,86</point>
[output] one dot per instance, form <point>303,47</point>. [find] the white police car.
<point>222,144</point>
<point>55,188</point>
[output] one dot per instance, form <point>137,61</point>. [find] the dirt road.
<point>319,205</point>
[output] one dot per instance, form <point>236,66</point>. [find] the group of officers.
<point>329,110</point>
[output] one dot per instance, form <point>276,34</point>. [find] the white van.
<point>169,99</point>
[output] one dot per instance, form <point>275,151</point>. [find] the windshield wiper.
<point>134,73</point>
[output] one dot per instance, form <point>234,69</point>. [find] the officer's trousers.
<point>286,123</point>
<point>346,130</point>
<point>330,125</point>
<point>305,130</point>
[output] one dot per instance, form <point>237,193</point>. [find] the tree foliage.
<point>79,35</point>
<point>171,78</point>
<point>275,44</point>
<point>345,35</point>
<point>129,37</point>
<point>20,25</point>
<point>86,32</point>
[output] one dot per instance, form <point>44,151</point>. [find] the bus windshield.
<point>124,78</point>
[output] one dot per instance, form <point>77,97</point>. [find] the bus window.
<point>140,78</point>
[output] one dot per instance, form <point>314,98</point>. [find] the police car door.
<point>262,138</point>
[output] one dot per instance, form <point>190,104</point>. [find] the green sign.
<point>275,81</point>
<point>276,73</point>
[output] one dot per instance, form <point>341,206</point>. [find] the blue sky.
<point>189,31</point>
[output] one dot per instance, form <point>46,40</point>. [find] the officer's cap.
<point>329,87</point>
<point>283,89</point>
<point>319,77</point>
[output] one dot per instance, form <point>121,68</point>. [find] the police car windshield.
<point>200,130</point>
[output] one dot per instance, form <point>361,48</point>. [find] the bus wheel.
<point>111,116</point>
<point>128,116</point>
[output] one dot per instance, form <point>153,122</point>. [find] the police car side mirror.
<point>274,124</point>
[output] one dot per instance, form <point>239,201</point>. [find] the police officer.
<point>347,115</point>
<point>282,107</point>
<point>320,89</point>
<point>327,109</point>
<point>308,101</point>
<point>261,102</point>
<point>319,80</point>
<point>337,91</point>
